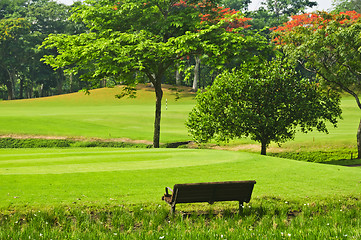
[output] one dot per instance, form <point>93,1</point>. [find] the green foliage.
<point>14,47</point>
<point>266,102</point>
<point>275,12</point>
<point>25,24</point>
<point>328,45</point>
<point>34,143</point>
<point>63,143</point>
<point>109,144</point>
<point>130,37</point>
<point>337,156</point>
<point>237,4</point>
<point>12,28</point>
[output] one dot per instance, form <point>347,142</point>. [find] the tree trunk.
<point>60,82</point>
<point>359,140</point>
<point>264,148</point>
<point>71,82</point>
<point>9,87</point>
<point>41,90</point>
<point>177,76</point>
<point>21,89</point>
<point>158,112</point>
<point>196,73</point>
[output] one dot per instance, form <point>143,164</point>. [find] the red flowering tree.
<point>328,45</point>
<point>142,37</point>
<point>228,19</point>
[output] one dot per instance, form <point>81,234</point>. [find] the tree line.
<point>25,24</point>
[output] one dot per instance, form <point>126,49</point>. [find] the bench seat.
<point>210,192</point>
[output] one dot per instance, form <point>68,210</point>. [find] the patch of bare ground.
<point>247,147</point>
<point>127,140</point>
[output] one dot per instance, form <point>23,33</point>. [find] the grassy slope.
<point>102,115</point>
<point>98,176</point>
<point>99,114</point>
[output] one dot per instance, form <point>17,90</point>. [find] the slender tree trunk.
<point>158,113</point>
<point>359,140</point>
<point>21,89</point>
<point>13,85</point>
<point>9,87</point>
<point>60,82</point>
<point>71,82</point>
<point>196,73</point>
<point>41,90</point>
<point>177,76</point>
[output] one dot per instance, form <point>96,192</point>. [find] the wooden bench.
<point>210,192</point>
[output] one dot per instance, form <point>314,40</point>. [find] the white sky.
<point>322,4</point>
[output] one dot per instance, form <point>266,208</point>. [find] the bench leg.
<point>240,207</point>
<point>172,209</point>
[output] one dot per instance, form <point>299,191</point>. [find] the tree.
<point>265,101</point>
<point>48,17</point>
<point>328,45</point>
<point>347,5</point>
<point>12,45</point>
<point>275,12</point>
<point>142,38</point>
<point>241,5</point>
<point>11,8</point>
<point>22,71</point>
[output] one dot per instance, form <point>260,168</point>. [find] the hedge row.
<point>62,143</point>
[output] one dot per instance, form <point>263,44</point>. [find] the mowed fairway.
<point>99,115</point>
<point>49,177</point>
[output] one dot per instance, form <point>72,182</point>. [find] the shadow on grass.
<point>345,162</point>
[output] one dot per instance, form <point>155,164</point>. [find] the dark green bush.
<point>318,156</point>
<point>62,143</point>
<point>34,143</point>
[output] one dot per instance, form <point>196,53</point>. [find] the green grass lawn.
<point>98,176</point>
<point>101,115</point>
<point>98,115</point>
<point>108,193</point>
<point>113,193</point>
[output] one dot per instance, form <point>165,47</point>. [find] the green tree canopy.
<point>275,12</point>
<point>132,38</point>
<point>241,5</point>
<point>12,49</point>
<point>266,102</point>
<point>328,45</point>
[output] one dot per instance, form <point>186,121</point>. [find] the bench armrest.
<point>166,191</point>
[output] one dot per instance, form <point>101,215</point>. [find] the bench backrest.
<point>212,192</point>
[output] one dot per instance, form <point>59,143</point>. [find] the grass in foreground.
<point>263,218</point>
